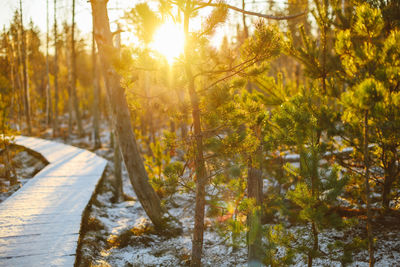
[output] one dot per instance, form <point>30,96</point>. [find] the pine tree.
<point>368,102</point>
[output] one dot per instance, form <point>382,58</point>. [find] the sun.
<point>169,41</point>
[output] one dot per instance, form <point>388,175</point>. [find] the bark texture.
<point>49,113</point>
<point>73,92</point>
<point>96,97</point>
<point>55,113</point>
<point>254,191</point>
<point>26,97</point>
<point>391,169</point>
<point>121,117</point>
<point>201,174</point>
<point>367,193</point>
<point>119,193</point>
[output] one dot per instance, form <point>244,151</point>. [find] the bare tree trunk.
<point>25,74</point>
<point>75,102</point>
<point>10,57</point>
<point>149,112</point>
<point>391,173</point>
<point>172,126</point>
<point>245,28</point>
<point>314,192</point>
<point>48,93</point>
<point>10,174</point>
<point>119,193</point>
<point>201,174</point>
<point>254,191</point>
<point>96,96</point>
<point>387,188</point>
<point>121,118</point>
<point>367,193</point>
<point>55,118</point>
<point>17,79</point>
<point>183,122</point>
<point>70,84</point>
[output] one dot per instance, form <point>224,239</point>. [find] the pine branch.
<point>225,70</point>
<point>224,78</point>
<point>250,13</point>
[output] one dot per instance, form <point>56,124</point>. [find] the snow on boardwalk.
<point>39,224</point>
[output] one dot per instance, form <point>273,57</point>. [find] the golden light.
<point>169,41</point>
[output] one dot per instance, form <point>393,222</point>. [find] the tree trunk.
<point>55,118</point>
<point>25,75</point>
<point>9,172</point>
<point>172,126</point>
<point>74,95</point>
<point>119,193</point>
<point>311,254</point>
<point>10,56</point>
<point>16,43</point>
<point>121,117</point>
<point>391,172</point>
<point>201,175</point>
<point>245,28</point>
<point>96,97</point>
<point>387,187</point>
<point>367,193</point>
<point>148,112</point>
<point>254,191</point>
<point>69,90</point>
<point>314,193</point>
<point>48,93</point>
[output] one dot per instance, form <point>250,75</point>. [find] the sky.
<point>35,10</point>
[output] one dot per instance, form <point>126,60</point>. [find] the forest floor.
<point>120,234</point>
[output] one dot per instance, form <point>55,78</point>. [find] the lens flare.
<point>169,41</point>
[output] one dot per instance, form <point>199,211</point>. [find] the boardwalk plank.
<point>39,224</point>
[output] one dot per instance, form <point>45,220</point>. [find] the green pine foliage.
<point>371,58</point>
<point>323,88</point>
<point>313,187</point>
<point>164,170</point>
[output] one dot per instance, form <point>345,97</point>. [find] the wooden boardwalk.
<point>40,223</point>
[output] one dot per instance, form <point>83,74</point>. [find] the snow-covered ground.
<point>25,164</point>
<point>101,246</point>
<point>121,236</point>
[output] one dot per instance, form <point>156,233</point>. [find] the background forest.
<point>284,137</point>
